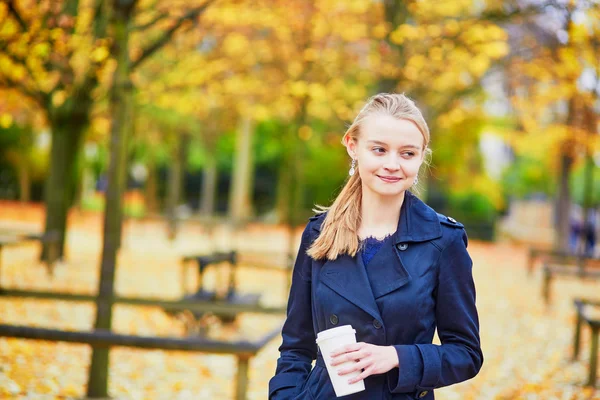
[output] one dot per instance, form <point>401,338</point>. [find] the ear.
<point>350,146</point>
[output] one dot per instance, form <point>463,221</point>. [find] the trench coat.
<point>421,280</point>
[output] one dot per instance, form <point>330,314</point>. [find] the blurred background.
<point>138,136</point>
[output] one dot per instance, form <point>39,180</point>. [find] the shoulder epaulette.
<point>449,221</point>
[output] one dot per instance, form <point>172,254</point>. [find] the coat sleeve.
<point>298,349</point>
<point>423,367</point>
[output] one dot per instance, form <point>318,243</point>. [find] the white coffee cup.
<point>330,340</point>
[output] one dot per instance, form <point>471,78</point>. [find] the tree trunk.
<point>174,188</point>
<point>152,188</point>
<point>24,181</point>
<point>209,187</point>
<point>121,102</point>
<point>396,12</point>
<point>563,200</point>
<point>591,127</point>
<point>60,185</point>
<point>563,204</point>
<point>284,184</point>
<point>240,194</point>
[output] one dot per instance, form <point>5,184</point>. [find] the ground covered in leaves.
<point>527,346</point>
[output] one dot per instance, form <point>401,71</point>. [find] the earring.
<point>416,180</point>
<point>352,167</point>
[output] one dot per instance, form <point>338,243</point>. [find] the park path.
<point>526,345</point>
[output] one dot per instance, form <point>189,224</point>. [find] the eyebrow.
<point>410,146</point>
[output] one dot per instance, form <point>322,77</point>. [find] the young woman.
<point>381,260</point>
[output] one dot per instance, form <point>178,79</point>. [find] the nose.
<point>392,163</point>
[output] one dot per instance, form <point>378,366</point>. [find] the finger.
<point>351,356</point>
<point>361,376</point>
<point>358,366</point>
<point>346,348</point>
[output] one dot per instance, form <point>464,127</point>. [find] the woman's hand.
<point>370,358</point>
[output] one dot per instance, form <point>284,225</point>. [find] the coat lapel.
<point>386,270</point>
<point>347,276</point>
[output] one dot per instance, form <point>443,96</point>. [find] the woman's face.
<point>389,153</point>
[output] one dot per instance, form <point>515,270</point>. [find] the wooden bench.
<point>582,307</point>
<point>243,350</point>
<point>558,257</point>
<point>580,270</point>
<point>232,296</point>
<point>13,238</point>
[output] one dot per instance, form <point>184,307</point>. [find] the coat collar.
<point>417,223</point>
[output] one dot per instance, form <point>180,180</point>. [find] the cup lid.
<point>329,333</point>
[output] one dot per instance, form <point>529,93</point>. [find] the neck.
<point>379,215</point>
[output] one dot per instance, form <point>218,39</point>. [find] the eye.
<point>379,150</point>
<point>408,154</point>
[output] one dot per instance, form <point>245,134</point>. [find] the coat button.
<point>451,220</point>
<point>377,324</point>
<point>333,319</point>
<point>423,394</point>
<point>403,246</point>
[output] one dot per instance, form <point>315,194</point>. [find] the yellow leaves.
<point>436,54</point>
<point>100,54</point>
<point>416,63</point>
<point>310,54</point>
<point>451,28</point>
<point>100,127</point>
<point>41,49</point>
<point>434,30</point>
<point>569,66</point>
<point>442,8</point>
<point>317,91</point>
<point>321,27</point>
<point>479,65</point>
<point>8,28</point>
<point>496,49</point>
<point>489,188</point>
<point>58,98</point>
<point>6,121</point>
<point>3,12</point>
<point>358,6</point>
<point>235,44</point>
<point>298,88</point>
<point>354,32</point>
<point>537,142</point>
<point>451,118</point>
<point>319,110</point>
<point>294,69</point>
<point>379,31</point>
<point>405,32</point>
<point>305,132</point>
<point>260,112</point>
<point>578,34</point>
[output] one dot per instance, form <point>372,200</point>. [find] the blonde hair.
<point>339,230</point>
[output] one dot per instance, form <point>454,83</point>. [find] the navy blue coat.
<point>422,279</point>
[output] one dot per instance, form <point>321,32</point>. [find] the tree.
<point>121,104</point>
<point>553,95</point>
<point>54,53</point>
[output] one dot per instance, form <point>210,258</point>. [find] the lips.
<point>389,179</point>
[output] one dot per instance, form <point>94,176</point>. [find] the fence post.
<point>242,376</point>
<point>530,261</point>
<point>593,356</point>
<point>547,277</point>
<point>577,339</point>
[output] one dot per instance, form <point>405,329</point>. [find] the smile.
<point>389,179</point>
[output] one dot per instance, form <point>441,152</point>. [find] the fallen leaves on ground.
<point>527,346</point>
